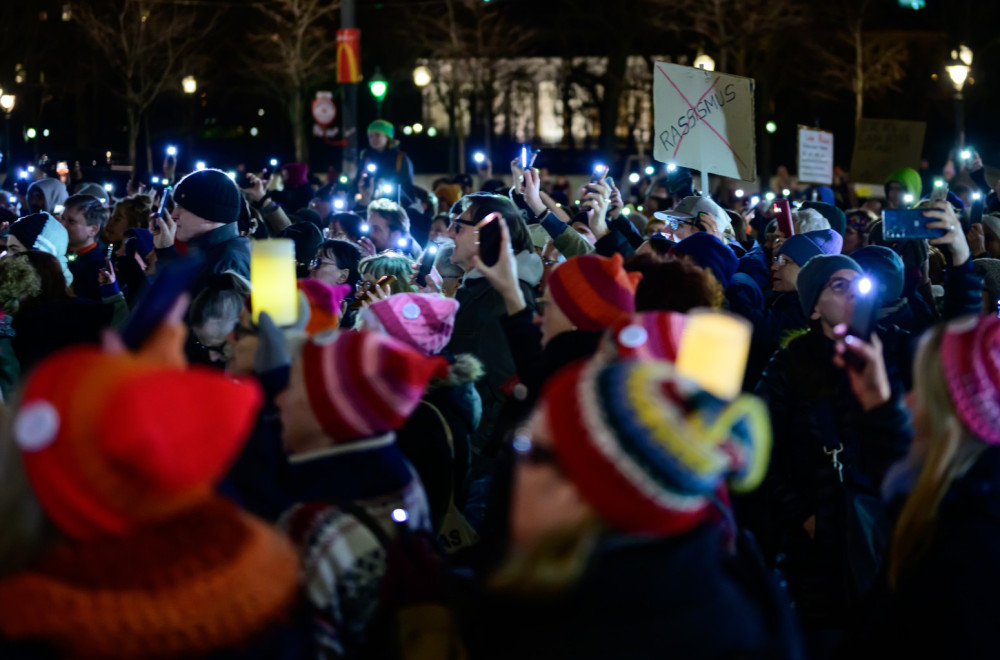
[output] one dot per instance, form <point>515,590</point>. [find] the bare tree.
<point>292,52</point>
<point>145,43</point>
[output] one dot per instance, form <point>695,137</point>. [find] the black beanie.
<point>209,194</point>
<point>28,228</point>
<point>307,238</point>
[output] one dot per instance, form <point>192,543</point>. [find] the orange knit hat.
<point>114,441</point>
<point>594,292</point>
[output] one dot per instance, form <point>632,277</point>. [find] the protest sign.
<point>815,156</point>
<point>704,120</point>
<point>882,146</point>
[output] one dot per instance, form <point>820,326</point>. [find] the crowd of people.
<point>476,439</point>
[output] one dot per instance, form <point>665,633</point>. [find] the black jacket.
<point>85,268</point>
<point>223,248</point>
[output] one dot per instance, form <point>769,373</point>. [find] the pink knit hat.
<point>970,356</point>
<point>649,335</point>
<point>421,320</point>
<point>324,304</point>
<point>363,384</point>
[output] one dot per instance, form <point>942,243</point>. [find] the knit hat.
<point>992,222</point>
<point>989,270</point>
<point>816,273</point>
<point>307,238</point>
<point>594,292</point>
<point>210,194</point>
<point>800,248</point>
<point>324,304</point>
<point>363,384</point>
<point>382,126</point>
<point>833,215</point>
<point>886,266</point>
<point>423,321</point>
<point>970,357</point>
<point>649,335</point>
<point>41,231</point>
<point>648,449</point>
<point>859,220</point>
<point>53,190</point>
<point>909,178</point>
<point>709,252</point>
<point>101,455</point>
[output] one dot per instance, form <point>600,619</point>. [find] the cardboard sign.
<point>815,156</point>
<point>704,120</point>
<point>882,146</point>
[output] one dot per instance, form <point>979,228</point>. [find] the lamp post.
<point>7,104</point>
<point>421,76</point>
<point>190,86</point>
<point>379,87</point>
<point>958,70</point>
<point>705,62</point>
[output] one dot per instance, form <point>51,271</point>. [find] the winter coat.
<point>85,268</point>
<point>945,605</point>
<point>393,165</point>
<point>812,410</point>
<point>478,331</point>
<point>145,594</point>
<point>679,597</point>
<point>223,249</point>
<point>45,326</point>
<point>442,462</point>
<point>772,323</point>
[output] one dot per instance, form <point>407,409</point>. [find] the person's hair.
<point>346,254</point>
<point>224,297</point>
<point>675,285</point>
<point>135,210</point>
<point>94,212</point>
<point>394,214</point>
<point>649,226</point>
<point>390,263</point>
<point>18,282</point>
<point>806,220</point>
<point>444,265</point>
<point>425,196</point>
<point>50,271</point>
<point>951,451</point>
<point>349,222</point>
<point>482,204</point>
<point>659,245</point>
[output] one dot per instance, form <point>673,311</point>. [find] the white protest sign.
<point>815,156</point>
<point>704,120</point>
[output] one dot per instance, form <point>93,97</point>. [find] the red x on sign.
<point>724,105</point>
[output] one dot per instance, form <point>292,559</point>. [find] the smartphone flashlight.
<point>402,242</point>
<point>31,169</point>
<point>939,183</point>
<point>433,249</point>
<point>769,196</point>
<point>671,167</point>
<point>387,189</point>
<point>274,162</point>
<point>59,208</point>
<point>364,228</point>
<point>785,192</point>
<point>600,168</point>
<point>109,187</point>
<point>338,204</point>
<point>13,199</point>
<point>908,198</point>
<point>977,196</point>
<point>343,178</point>
<point>154,180</point>
<point>400,516</point>
<point>479,157</point>
<point>22,174</point>
<point>171,151</point>
<point>200,165</point>
<point>739,193</point>
<point>650,170</point>
<point>524,158</point>
<point>372,168</point>
<point>231,174</point>
<point>755,200</point>
<point>966,154</point>
<point>633,177</point>
<point>864,286</point>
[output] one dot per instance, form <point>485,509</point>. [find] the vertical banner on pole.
<point>349,55</point>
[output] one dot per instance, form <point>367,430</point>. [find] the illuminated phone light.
<point>372,168</point>
<point>908,198</point>
<point>633,177</point>
<point>419,128</point>
<point>231,175</point>
<point>254,131</point>
<point>387,189</point>
<point>59,208</point>
<point>479,157</point>
<point>966,154</point>
<point>365,228</point>
<point>600,168</point>
<point>939,183</point>
<point>407,130</point>
<point>12,199</point>
<point>400,515</point>
<point>864,286</point>
<point>171,151</point>
<point>769,196</point>
<point>739,193</point>
<point>431,132</point>
<point>785,192</point>
<point>432,249</point>
<point>639,209</point>
<point>164,181</point>
<point>31,169</point>
<point>200,165</point>
<point>22,174</point>
<point>273,162</point>
<point>402,242</point>
<point>671,167</point>
<point>109,187</point>
<point>755,200</point>
<point>45,132</point>
<point>650,170</point>
<point>576,202</point>
<point>154,180</point>
<point>338,204</point>
<point>977,196</point>
<point>626,211</point>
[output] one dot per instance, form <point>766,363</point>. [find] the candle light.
<point>713,352</point>
<point>272,275</point>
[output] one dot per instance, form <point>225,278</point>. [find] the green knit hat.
<point>382,126</point>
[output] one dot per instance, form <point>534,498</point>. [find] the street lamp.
<point>705,62</point>
<point>421,76</point>
<point>958,70</point>
<point>379,87</point>
<point>189,84</point>
<point>7,103</point>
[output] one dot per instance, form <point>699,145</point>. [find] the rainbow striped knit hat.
<point>648,449</point>
<point>363,384</point>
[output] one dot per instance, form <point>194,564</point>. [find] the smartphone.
<point>782,210</point>
<point>939,194</point>
<point>863,320</point>
<point>242,179</point>
<point>426,264</point>
<point>525,162</point>
<point>907,225</point>
<point>156,301</point>
<point>600,172</point>
<point>164,198</point>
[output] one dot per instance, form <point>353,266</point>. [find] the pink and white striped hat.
<point>363,384</point>
<point>421,320</point>
<point>970,357</point>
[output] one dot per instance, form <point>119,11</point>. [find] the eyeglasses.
<point>840,285</point>
<point>531,452</point>
<point>218,348</point>
<point>781,260</point>
<point>316,264</point>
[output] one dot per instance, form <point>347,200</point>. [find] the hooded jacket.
<point>53,190</point>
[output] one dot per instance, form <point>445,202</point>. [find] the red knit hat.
<point>647,335</point>
<point>324,304</point>
<point>114,441</point>
<point>362,384</point>
<point>970,356</point>
<point>594,292</point>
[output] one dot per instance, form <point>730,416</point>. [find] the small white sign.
<point>815,156</point>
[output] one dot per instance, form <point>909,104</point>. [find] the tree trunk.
<point>567,97</point>
<point>295,115</point>
<point>859,74</point>
<point>149,143</point>
<point>609,107</point>
<point>132,122</point>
